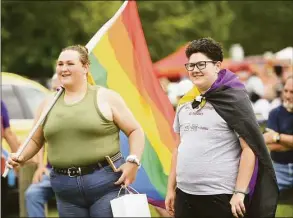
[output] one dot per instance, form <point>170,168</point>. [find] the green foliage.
<point>261,26</point>
<point>34,32</point>
<point>170,24</point>
<point>284,210</point>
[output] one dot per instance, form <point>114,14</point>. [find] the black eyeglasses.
<point>200,65</point>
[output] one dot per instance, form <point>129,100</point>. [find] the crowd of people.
<point>223,165</point>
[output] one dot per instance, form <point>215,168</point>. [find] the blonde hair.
<point>83,53</point>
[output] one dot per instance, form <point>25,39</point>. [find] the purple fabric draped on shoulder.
<point>228,79</point>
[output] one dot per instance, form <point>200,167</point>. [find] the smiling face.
<point>202,71</point>
<point>288,95</point>
<point>70,70</point>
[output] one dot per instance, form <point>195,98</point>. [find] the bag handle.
<point>126,189</point>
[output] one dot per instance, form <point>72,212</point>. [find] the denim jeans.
<point>88,195</point>
<point>284,174</point>
<point>37,195</point>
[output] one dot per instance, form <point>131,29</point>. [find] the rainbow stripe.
<point>120,61</point>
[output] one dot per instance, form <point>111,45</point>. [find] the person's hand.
<point>237,205</point>
<point>170,201</point>
<point>129,171</point>
<point>39,174</point>
<point>14,162</point>
<point>269,137</point>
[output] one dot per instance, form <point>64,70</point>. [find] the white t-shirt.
<point>208,154</point>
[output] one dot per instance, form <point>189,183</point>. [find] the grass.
<point>282,211</point>
<point>52,212</point>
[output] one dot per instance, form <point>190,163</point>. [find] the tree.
<point>33,33</point>
<point>261,26</point>
<point>170,24</point>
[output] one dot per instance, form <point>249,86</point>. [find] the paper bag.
<point>130,205</point>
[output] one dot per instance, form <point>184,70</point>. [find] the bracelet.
<point>241,192</point>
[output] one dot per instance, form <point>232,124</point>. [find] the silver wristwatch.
<point>133,159</point>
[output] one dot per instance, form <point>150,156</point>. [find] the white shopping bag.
<point>130,205</point>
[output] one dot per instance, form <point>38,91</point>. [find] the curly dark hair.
<point>207,46</point>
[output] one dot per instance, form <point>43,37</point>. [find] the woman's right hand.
<point>170,202</point>
<point>14,162</point>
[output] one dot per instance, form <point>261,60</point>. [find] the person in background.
<point>279,137</point>
<point>83,180</point>
<point>177,90</point>
<point>13,143</point>
<point>255,88</point>
<point>184,86</point>
<point>40,191</point>
<point>277,101</point>
<point>256,91</point>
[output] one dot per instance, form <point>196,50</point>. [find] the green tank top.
<point>78,134</point>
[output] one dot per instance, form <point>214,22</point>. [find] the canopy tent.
<point>285,54</point>
<point>172,66</point>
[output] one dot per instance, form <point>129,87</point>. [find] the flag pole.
<point>37,125</point>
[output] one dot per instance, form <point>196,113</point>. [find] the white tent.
<point>285,54</point>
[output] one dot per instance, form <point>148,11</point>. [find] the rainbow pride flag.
<point>120,61</point>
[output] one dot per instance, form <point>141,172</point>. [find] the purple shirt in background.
<point>4,116</point>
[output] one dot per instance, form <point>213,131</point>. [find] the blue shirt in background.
<point>281,121</point>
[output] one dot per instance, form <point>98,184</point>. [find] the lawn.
<point>282,211</point>
<point>54,213</point>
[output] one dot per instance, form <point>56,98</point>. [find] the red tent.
<point>172,66</point>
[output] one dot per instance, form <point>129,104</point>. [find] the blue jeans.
<point>37,195</point>
<point>88,195</point>
<point>284,174</point>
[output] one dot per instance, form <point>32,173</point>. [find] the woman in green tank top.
<point>82,129</point>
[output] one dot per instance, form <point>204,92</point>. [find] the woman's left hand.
<point>129,171</point>
<point>237,205</point>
